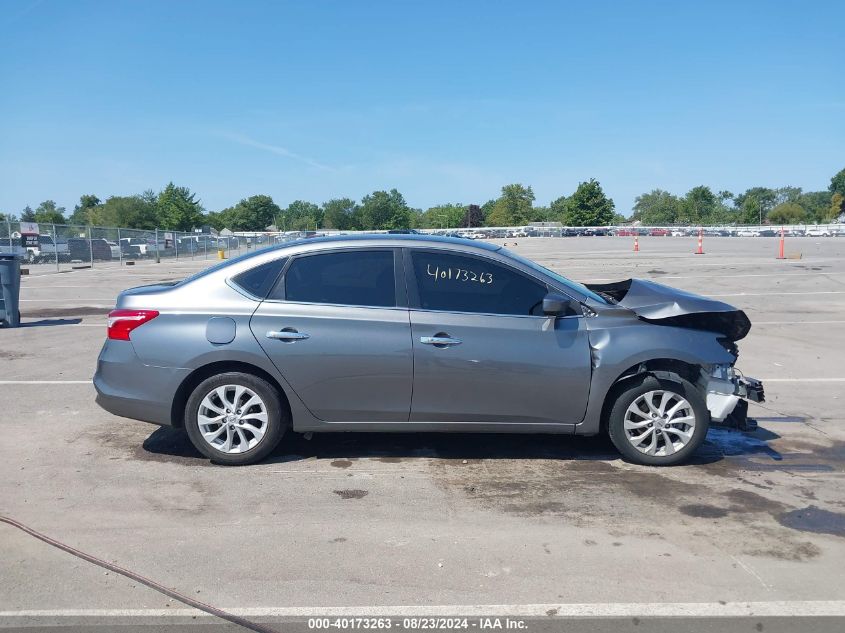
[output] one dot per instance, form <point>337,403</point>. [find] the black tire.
<point>277,418</point>
<point>629,391</point>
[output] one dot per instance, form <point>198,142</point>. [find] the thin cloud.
<point>275,149</point>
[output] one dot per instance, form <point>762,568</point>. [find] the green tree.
<point>753,205</point>
<point>82,211</point>
<point>657,207</point>
<point>837,207</point>
<point>588,206</point>
<point>787,194</point>
<point>250,214</point>
<point>341,214</point>
<point>816,204</point>
<point>27,215</point>
<point>698,206</point>
<point>787,213</point>
<point>301,216</point>
<point>177,208</point>
<point>48,213</point>
<point>473,217</point>
<point>558,208</point>
<point>385,210</point>
<point>135,212</point>
<point>443,216</point>
<point>541,214</point>
<point>513,207</point>
<point>837,183</point>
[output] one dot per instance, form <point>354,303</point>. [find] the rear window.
<point>360,278</point>
<point>258,281</point>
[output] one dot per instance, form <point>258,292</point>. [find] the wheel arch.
<point>658,367</point>
<point>183,392</point>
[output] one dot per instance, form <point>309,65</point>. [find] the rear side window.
<point>258,281</point>
<point>361,278</point>
<point>457,283</point>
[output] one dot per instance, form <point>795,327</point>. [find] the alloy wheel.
<point>232,419</point>
<point>659,423</point>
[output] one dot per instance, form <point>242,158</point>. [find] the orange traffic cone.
<point>636,243</point>
<point>780,249</point>
<point>700,250</point>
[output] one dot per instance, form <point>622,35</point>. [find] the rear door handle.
<point>444,341</point>
<point>288,335</point>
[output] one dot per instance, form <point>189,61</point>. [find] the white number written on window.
<point>458,274</point>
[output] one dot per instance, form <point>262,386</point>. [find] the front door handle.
<point>444,341</point>
<point>288,335</point>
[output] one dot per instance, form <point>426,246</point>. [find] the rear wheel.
<point>235,418</point>
<point>658,421</point>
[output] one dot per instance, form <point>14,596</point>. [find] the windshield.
<point>568,283</point>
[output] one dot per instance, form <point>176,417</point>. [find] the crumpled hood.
<point>669,306</point>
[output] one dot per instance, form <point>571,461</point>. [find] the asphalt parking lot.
<point>532,524</point>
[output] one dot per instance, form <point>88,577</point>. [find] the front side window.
<point>361,278</point>
<point>458,283</point>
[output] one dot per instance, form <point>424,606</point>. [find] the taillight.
<point>122,322</point>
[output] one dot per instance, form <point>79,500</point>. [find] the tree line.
<point>178,208</point>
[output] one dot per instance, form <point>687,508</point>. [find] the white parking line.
<point>46,382</point>
<point>88,382</point>
<point>806,608</point>
<point>793,322</point>
<point>802,379</point>
<point>723,275</point>
<point>74,298</point>
<point>777,294</point>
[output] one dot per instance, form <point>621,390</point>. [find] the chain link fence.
<point>59,247</point>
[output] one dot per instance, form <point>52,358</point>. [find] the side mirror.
<point>558,305</point>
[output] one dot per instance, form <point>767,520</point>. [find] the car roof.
<point>232,267</point>
<point>397,239</point>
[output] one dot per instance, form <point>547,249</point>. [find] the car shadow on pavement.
<point>389,447</point>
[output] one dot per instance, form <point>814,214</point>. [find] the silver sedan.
<point>413,333</point>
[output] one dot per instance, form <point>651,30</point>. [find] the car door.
<point>336,326</point>
<point>484,352</point>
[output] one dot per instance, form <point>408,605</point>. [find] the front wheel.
<point>658,421</point>
<point>235,418</point>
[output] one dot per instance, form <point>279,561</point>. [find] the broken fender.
<point>665,305</point>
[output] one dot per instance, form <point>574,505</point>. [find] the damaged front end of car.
<point>726,390</point>
<point>727,394</point>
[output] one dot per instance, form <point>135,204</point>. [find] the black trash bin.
<point>10,289</point>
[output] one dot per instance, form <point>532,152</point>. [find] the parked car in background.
<point>769,233</point>
<point>747,233</point>
<point>658,232</point>
<point>399,333</point>
<point>678,233</point>
<point>134,246</point>
<point>115,250</point>
<point>815,231</point>
<point>82,250</point>
<point>232,242</point>
<point>45,250</point>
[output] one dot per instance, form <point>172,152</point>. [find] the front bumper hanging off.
<point>727,400</point>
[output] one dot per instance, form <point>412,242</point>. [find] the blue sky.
<point>446,101</point>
